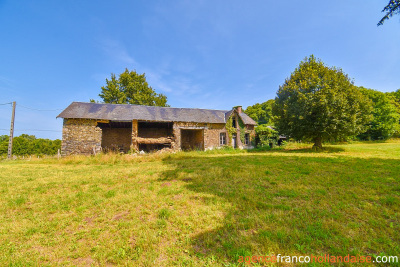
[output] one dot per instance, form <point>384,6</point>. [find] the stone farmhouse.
<point>89,128</point>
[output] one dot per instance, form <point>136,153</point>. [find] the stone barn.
<point>89,128</point>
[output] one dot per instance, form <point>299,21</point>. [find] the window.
<point>247,139</point>
<point>222,139</point>
<point>234,122</point>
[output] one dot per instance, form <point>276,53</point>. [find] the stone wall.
<point>116,139</point>
<point>192,139</point>
<point>80,136</point>
<point>154,132</point>
<point>134,145</point>
<point>178,126</point>
<point>212,134</point>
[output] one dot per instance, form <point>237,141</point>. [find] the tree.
<point>261,113</point>
<point>385,119</point>
<point>320,103</point>
<point>266,136</point>
<point>394,98</point>
<point>4,144</point>
<point>131,88</point>
<point>30,145</point>
<point>392,8</point>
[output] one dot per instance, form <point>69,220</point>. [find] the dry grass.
<point>200,208</point>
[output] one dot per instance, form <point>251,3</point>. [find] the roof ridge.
<point>90,110</point>
<point>223,110</point>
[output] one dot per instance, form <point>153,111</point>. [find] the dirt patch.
<point>88,261</point>
<point>89,220</point>
<point>120,216</point>
<point>177,197</point>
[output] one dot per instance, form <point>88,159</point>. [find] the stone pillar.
<point>177,136</point>
<point>135,128</point>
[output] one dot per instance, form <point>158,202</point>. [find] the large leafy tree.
<point>261,113</point>
<point>131,88</point>
<point>394,98</point>
<point>392,8</point>
<point>385,119</point>
<point>320,103</point>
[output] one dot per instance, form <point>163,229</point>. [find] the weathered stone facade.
<point>212,135</point>
<point>80,136</point>
<point>134,145</point>
<point>89,136</point>
<point>116,139</point>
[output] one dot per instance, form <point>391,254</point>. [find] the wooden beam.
<point>160,140</point>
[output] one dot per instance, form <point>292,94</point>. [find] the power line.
<point>37,130</point>
<point>40,109</point>
<point>6,104</point>
<point>32,130</point>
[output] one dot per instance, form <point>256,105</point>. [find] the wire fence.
<point>35,109</point>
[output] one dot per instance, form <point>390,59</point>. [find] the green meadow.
<point>201,208</point>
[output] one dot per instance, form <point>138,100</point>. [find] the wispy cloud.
<point>117,51</point>
<point>168,77</point>
<point>185,86</point>
<point>157,82</point>
<point>173,85</point>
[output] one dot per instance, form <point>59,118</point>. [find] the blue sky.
<point>203,54</point>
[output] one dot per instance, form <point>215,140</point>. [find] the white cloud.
<point>117,51</point>
<point>167,77</point>
<point>156,81</point>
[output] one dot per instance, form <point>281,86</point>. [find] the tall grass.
<point>200,208</point>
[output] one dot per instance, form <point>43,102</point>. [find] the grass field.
<point>201,208</point>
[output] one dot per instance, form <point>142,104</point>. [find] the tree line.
<point>321,103</point>
<point>24,145</point>
<point>316,103</point>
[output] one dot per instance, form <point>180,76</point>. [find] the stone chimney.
<point>239,109</point>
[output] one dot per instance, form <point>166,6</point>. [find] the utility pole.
<point>10,141</point>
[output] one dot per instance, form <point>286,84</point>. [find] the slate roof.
<point>124,112</point>
<point>246,119</point>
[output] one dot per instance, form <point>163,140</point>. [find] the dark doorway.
<point>154,129</point>
<point>116,136</point>
<point>192,139</point>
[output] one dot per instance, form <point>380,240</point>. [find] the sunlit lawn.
<point>201,208</point>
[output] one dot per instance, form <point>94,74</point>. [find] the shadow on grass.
<point>294,206</point>
<point>325,149</point>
